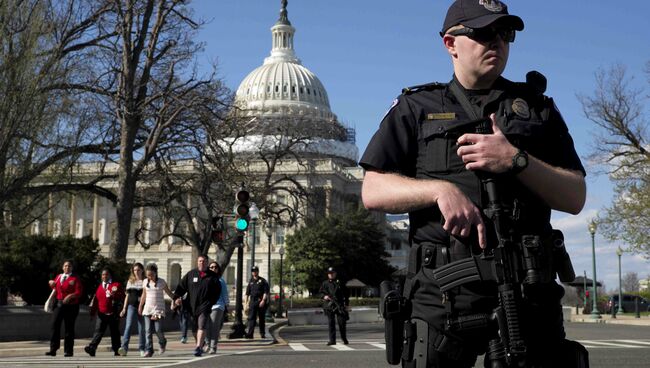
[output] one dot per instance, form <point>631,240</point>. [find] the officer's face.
<point>479,61</point>
<point>331,275</point>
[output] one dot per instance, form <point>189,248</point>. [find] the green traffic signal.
<point>241,224</point>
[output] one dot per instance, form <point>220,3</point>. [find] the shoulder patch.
<point>392,106</point>
<point>423,87</point>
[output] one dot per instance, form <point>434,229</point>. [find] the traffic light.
<point>242,209</point>
<point>217,229</point>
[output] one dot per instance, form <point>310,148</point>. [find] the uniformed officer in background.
<point>414,164</point>
<point>336,301</point>
<point>257,298</point>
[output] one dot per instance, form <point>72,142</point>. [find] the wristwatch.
<point>519,162</point>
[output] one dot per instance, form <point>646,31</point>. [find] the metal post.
<point>595,314</point>
<point>637,313</point>
<point>268,317</point>
<point>253,222</point>
<point>279,315</point>
<point>293,268</point>
<point>619,252</point>
<point>238,329</point>
<point>584,292</point>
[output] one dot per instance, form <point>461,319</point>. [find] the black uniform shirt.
<point>257,288</point>
<point>417,139</point>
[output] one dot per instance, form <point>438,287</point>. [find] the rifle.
<point>336,308</point>
<point>516,260</point>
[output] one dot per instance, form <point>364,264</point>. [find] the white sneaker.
<point>121,351</point>
<point>141,353</point>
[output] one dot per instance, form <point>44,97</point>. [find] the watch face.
<point>521,161</point>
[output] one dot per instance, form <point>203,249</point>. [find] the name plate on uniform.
<point>196,279</point>
<point>441,116</point>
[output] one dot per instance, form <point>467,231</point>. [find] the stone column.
<point>73,214</point>
<point>96,217</point>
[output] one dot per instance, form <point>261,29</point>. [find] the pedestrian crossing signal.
<point>242,210</point>
<point>217,229</point>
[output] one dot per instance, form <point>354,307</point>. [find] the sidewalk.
<point>38,348</point>
<point>627,319</point>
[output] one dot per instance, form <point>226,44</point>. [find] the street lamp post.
<point>619,253</point>
<point>268,229</point>
<point>281,251</point>
<point>292,269</point>
<point>595,314</point>
<point>254,213</point>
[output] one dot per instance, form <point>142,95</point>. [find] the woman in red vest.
<point>68,293</point>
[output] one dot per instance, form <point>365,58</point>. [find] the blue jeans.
<point>150,326</point>
<point>184,320</point>
<point>131,315</point>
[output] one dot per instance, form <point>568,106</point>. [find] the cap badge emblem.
<point>520,107</point>
<point>494,6</point>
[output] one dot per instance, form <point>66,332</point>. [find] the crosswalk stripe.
<point>607,344</point>
<point>377,345</point>
<point>635,342</point>
<point>342,347</point>
<point>298,347</point>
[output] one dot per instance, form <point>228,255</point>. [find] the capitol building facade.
<point>280,91</point>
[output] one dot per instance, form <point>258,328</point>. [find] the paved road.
<point>608,345</point>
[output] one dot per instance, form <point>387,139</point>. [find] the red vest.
<point>105,299</point>
<point>71,285</point>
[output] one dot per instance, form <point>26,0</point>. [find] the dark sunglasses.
<point>486,34</point>
<point>213,266</point>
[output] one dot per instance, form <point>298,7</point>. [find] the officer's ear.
<point>450,44</point>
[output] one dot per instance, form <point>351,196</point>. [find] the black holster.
<point>392,308</point>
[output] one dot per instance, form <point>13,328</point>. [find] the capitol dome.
<point>282,88</point>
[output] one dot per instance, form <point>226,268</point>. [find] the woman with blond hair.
<point>130,310</point>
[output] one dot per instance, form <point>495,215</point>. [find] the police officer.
<point>257,298</point>
<point>415,163</point>
<point>337,300</point>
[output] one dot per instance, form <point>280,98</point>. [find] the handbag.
<point>50,303</point>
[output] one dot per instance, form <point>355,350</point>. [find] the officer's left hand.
<point>487,152</point>
<point>262,303</point>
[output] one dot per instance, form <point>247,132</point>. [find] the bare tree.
<point>621,147</point>
<point>45,126</point>
<point>630,282</point>
<point>272,158</point>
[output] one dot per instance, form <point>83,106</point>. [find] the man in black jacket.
<point>337,300</point>
<point>203,289</point>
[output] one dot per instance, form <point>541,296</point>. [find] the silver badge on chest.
<point>520,107</point>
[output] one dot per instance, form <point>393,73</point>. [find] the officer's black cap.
<point>331,270</point>
<point>479,14</point>
<point>255,269</point>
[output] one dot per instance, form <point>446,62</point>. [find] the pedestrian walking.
<point>130,309</point>
<point>257,298</point>
<point>184,319</point>
<point>152,308</point>
<point>337,300</point>
<point>106,306</point>
<point>68,289</point>
<point>218,309</point>
<point>203,288</point>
